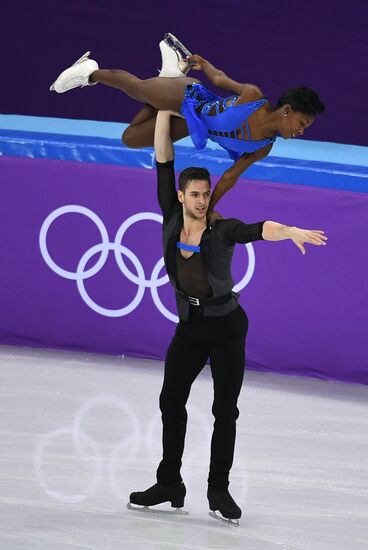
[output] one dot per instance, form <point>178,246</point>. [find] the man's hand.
<point>169,112</point>
<point>274,231</point>
<point>302,236</point>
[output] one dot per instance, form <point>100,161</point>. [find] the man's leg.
<point>227,367</point>
<point>184,361</point>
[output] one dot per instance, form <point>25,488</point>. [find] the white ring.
<point>73,209</point>
<point>119,250</point>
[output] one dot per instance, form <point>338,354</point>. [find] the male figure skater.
<point>212,323</point>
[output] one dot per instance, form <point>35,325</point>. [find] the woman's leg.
<point>161,93</point>
<point>140,132</point>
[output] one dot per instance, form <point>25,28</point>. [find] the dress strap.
<point>188,247</point>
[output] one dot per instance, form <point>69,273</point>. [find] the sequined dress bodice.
<point>209,116</point>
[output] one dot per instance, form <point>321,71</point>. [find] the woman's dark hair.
<point>302,100</point>
<point>193,173</point>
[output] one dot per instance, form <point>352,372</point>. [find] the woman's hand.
<point>196,62</point>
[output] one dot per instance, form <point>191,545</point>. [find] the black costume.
<point>215,328</point>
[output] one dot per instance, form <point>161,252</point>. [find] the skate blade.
<point>84,56</point>
<point>87,54</point>
<point>234,522</point>
<point>149,510</point>
<point>175,43</point>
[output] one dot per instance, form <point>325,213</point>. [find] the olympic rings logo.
<point>104,247</point>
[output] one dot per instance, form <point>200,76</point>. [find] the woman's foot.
<point>76,76</point>
<point>173,64</point>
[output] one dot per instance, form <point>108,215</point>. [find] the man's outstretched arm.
<point>274,231</point>
<point>235,231</point>
<point>164,151</point>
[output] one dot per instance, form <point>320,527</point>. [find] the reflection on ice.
<point>80,432</point>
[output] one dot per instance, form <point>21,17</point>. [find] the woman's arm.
<point>248,92</point>
<point>231,176</point>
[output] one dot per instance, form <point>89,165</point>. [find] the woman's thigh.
<point>138,135</point>
<point>164,93</point>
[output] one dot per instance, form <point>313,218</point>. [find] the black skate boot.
<point>225,504</point>
<point>157,494</point>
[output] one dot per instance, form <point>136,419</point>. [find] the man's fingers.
<point>300,246</point>
<point>315,241</point>
<point>316,238</point>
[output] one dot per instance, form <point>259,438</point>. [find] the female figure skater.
<point>244,123</point>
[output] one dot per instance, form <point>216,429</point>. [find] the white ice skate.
<point>76,76</point>
<point>173,64</point>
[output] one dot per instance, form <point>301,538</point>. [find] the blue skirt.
<point>196,96</point>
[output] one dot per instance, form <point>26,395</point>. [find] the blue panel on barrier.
<point>109,150</point>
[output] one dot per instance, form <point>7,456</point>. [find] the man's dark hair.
<point>193,173</point>
<point>302,100</point>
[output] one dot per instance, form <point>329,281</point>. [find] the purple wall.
<point>308,314</point>
<point>276,45</point>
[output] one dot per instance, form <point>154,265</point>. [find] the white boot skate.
<point>76,76</point>
<point>173,64</point>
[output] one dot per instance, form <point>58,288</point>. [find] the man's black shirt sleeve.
<point>166,189</point>
<point>235,231</point>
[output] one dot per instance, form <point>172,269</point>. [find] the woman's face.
<point>293,123</point>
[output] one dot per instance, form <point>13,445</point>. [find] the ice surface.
<point>79,432</point>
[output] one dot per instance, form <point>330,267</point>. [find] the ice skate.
<point>158,494</point>
<point>174,43</point>
<point>157,511</point>
<point>222,502</point>
<point>76,76</point>
<point>172,51</point>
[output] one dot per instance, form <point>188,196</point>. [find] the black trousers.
<point>222,339</point>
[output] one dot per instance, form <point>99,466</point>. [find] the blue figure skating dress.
<point>225,125</point>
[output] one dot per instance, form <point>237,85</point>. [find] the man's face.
<point>196,199</point>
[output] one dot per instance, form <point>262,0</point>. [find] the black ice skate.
<point>157,494</point>
<point>223,502</point>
